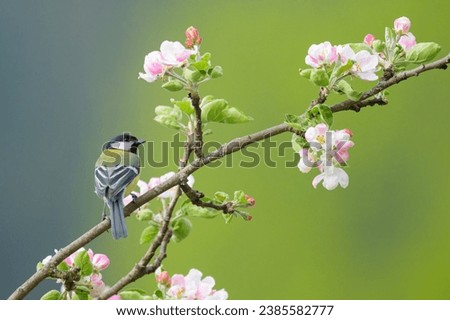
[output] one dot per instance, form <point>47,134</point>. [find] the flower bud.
<point>402,25</point>
<point>250,200</point>
<point>378,45</point>
<point>192,37</point>
<point>163,278</point>
<point>407,41</point>
<point>368,39</point>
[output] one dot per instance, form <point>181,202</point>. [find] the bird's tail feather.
<point>118,226</point>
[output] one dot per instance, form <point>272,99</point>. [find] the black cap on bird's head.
<point>125,142</point>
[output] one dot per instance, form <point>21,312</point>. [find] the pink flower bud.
<point>250,200</point>
<point>163,278</point>
<point>407,41</point>
<point>368,39</point>
<point>100,261</point>
<point>348,131</point>
<point>402,25</point>
<point>115,297</point>
<point>192,37</point>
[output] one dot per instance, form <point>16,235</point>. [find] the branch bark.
<point>227,148</point>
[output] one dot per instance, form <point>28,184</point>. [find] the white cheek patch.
<point>120,145</point>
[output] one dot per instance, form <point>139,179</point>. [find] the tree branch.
<point>198,143</point>
<point>195,197</point>
<point>227,148</point>
<point>399,77</point>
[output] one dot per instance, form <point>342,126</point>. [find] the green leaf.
<point>212,111</point>
<point>341,68</point>
<point>201,65</point>
<point>51,295</point>
<point>216,72</point>
<point>321,113</point>
<point>206,100</point>
<point>206,57</point>
<point>39,265</point>
<point>234,115</point>
<point>181,229</point>
<point>185,105</point>
<point>83,261</point>
<point>167,121</point>
<point>422,52</point>
<point>319,77</point>
<point>239,197</point>
<point>346,88</point>
<point>227,217</point>
<point>130,295</point>
<point>159,294</point>
<point>144,214</point>
<point>390,42</point>
<point>192,210</point>
<point>359,47</point>
<point>305,73</point>
<point>63,266</point>
<point>298,143</point>
<point>148,234</point>
<point>82,292</point>
<point>192,75</point>
<point>378,45</point>
<point>163,110</point>
<point>173,85</point>
<point>221,196</point>
<point>168,116</point>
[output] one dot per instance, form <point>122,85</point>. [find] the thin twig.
<point>198,143</point>
<point>195,197</point>
<point>228,148</point>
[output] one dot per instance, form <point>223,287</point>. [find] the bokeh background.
<point>68,82</point>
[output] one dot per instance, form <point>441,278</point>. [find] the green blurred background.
<point>68,82</point>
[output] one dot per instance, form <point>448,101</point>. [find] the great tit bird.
<point>116,175</point>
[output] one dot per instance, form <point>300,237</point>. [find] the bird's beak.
<point>140,142</point>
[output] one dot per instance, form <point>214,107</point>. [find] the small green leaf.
<point>221,196</point>
<point>130,295</point>
<point>346,88</point>
<point>148,234</point>
<point>181,229</point>
<point>212,111</point>
<point>192,75</point>
<point>185,105</point>
<point>359,47</point>
<point>298,143</point>
<point>319,77</point>
<point>82,292</point>
<point>234,115</point>
<point>239,197</point>
<point>83,261</point>
<point>322,114</point>
<point>305,73</point>
<point>192,210</point>
<point>378,45</point>
<point>51,295</point>
<point>390,42</point>
<point>144,214</point>
<point>201,65</point>
<point>422,52</point>
<point>206,100</point>
<point>158,294</point>
<point>163,110</point>
<point>216,72</point>
<point>63,266</point>
<point>227,217</point>
<point>206,57</point>
<point>167,121</point>
<point>39,266</point>
<point>173,85</point>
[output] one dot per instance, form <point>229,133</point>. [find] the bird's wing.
<point>111,181</point>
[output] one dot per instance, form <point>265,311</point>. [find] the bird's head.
<point>125,142</point>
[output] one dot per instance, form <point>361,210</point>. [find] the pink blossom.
<point>402,25</point>
<point>365,65</point>
<point>96,280</point>
<point>70,259</point>
<point>153,66</point>
<point>407,41</point>
<point>115,297</point>
<point>192,37</point>
<point>321,54</point>
<point>316,134</point>
<point>172,191</point>
<point>100,261</point>
<point>174,53</point>
<point>368,39</point>
<point>193,287</point>
<point>162,277</point>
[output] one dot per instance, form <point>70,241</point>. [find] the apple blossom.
<point>365,63</point>
<point>171,192</point>
<point>328,151</point>
<point>115,297</point>
<point>407,41</point>
<point>174,53</point>
<point>153,67</point>
<point>402,25</point>
<point>321,54</point>
<point>193,287</point>
<point>250,200</point>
